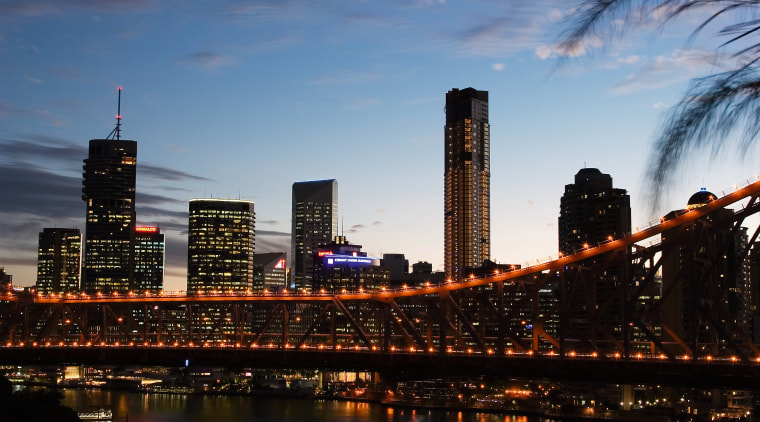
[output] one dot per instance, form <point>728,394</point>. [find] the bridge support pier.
<point>628,398</point>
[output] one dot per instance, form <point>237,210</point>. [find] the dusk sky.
<point>239,99</point>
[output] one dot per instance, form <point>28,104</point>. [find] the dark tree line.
<point>32,405</point>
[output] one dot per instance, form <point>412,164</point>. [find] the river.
<point>135,407</point>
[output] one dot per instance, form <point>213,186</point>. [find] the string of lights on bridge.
<point>374,349</point>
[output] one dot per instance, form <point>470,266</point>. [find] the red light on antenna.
<point>119,88</point>
<point>118,116</point>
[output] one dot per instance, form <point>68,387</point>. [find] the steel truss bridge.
<point>547,318</point>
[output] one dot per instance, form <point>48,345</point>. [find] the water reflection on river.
<point>134,407</point>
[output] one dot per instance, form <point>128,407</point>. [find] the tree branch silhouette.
<point>715,106</point>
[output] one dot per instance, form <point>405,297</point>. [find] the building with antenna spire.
<point>108,189</point>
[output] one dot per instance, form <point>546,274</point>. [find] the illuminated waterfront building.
<point>467,181</point>
<point>149,259</point>
<point>108,189</point>
<point>342,266</point>
<point>58,260</point>
<point>220,246</point>
<point>314,224</point>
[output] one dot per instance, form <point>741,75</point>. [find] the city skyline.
<point>240,101</point>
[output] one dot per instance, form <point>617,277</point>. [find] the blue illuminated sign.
<point>351,261</point>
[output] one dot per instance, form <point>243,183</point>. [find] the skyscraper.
<point>108,190</point>
<point>467,219</point>
<point>703,278</point>
<point>58,258</point>
<point>149,259</point>
<point>314,224</point>
<point>591,212</point>
<point>220,245</point>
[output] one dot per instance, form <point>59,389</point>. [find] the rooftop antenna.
<point>116,132</point>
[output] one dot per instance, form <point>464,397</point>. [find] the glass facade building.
<point>467,182</point>
<point>58,260</point>
<point>314,224</point>
<point>220,246</point>
<point>149,260</point>
<point>108,189</point>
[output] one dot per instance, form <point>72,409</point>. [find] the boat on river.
<point>97,415</point>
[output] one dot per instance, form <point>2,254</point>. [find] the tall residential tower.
<point>314,224</point>
<point>467,219</point>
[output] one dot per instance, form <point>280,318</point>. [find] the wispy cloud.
<point>164,173</point>
<point>207,60</point>
<point>679,66</point>
<point>40,8</point>
<point>7,109</point>
<point>518,26</point>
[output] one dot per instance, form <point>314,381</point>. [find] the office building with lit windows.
<point>467,181</point>
<point>342,266</point>
<point>221,243</point>
<point>108,189</point>
<point>149,259</point>
<point>271,272</point>
<point>314,224</point>
<point>58,260</point>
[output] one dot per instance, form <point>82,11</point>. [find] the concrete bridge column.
<point>628,397</point>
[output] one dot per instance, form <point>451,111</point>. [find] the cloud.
<point>206,60</point>
<point>41,8</point>
<point>272,233</point>
<point>422,100</point>
<point>377,223</point>
<point>514,27</point>
<point>545,51</point>
<point>355,228</point>
<point>629,59</point>
<point>658,105</point>
<point>266,244</point>
<point>176,148</point>
<point>165,173</point>
<point>681,65</point>
<point>41,182</point>
<point>270,222</point>
<point>10,109</point>
<point>44,148</point>
<point>498,67</point>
